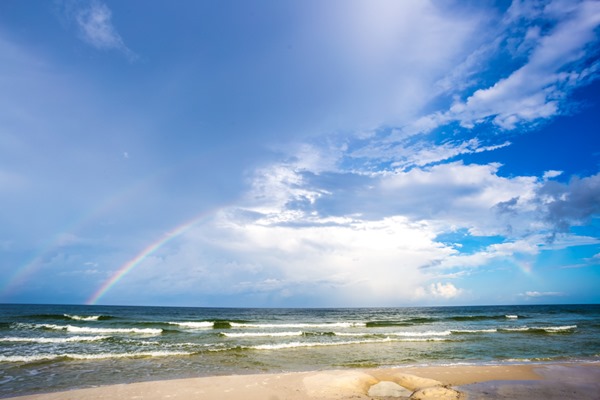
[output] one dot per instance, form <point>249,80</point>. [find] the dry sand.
<point>568,381</point>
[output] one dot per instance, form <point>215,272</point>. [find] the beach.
<point>90,352</point>
<point>526,381</point>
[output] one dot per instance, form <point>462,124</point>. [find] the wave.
<point>53,340</point>
<point>384,324</point>
<point>79,329</point>
<point>402,322</point>
<point>66,317</point>
<point>428,320</point>
<point>194,325</point>
<point>540,329</point>
<point>421,334</point>
<point>291,345</point>
<point>263,334</point>
<point>88,317</point>
<point>340,334</point>
<point>470,331</point>
<point>461,318</point>
<point>521,329</point>
<point>324,325</point>
<point>76,356</point>
<point>212,324</point>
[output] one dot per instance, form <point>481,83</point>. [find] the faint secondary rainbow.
<point>29,269</point>
<point>135,261</point>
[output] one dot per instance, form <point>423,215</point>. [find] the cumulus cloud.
<point>439,290</point>
<point>345,262</point>
<point>354,219</point>
<point>574,203</point>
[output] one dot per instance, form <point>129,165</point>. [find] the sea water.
<point>47,348</point>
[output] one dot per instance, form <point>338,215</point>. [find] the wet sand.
<point>532,381</point>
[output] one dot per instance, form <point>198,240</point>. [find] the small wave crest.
<point>194,325</point>
<point>80,329</point>
<point>76,356</point>
<point>261,334</point>
<point>66,317</point>
<point>474,331</point>
<point>291,345</point>
<point>217,324</point>
<point>541,329</point>
<point>53,340</point>
<point>85,317</point>
<point>465,318</point>
<point>298,325</point>
<point>421,334</point>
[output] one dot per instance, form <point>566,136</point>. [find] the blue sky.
<point>299,153</point>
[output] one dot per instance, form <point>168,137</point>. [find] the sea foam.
<point>80,329</point>
<point>291,345</point>
<point>53,340</point>
<point>261,334</point>
<point>299,325</point>
<point>548,329</point>
<point>82,317</point>
<point>76,356</point>
<point>194,325</point>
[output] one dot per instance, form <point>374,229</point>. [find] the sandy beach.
<point>532,381</point>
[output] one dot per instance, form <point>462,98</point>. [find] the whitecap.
<point>83,318</point>
<point>79,329</point>
<point>491,330</point>
<point>291,345</point>
<point>261,334</point>
<point>299,325</point>
<point>53,340</point>
<point>194,325</point>
<point>558,328</point>
<point>76,356</point>
<point>420,334</point>
<point>549,329</point>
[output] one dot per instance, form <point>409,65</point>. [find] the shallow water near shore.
<point>51,348</point>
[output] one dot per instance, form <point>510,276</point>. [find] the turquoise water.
<point>49,348</point>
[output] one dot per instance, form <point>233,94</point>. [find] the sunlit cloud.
<point>364,154</point>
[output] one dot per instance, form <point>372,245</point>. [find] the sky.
<point>283,153</point>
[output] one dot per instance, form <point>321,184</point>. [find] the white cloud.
<point>96,28</point>
<point>380,59</point>
<point>542,294</point>
<point>439,290</point>
<point>551,174</point>
<point>329,262</point>
<point>536,90</point>
<point>421,153</point>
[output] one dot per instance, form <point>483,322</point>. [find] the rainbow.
<point>135,261</point>
<point>25,272</point>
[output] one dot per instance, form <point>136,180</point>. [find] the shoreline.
<point>485,381</point>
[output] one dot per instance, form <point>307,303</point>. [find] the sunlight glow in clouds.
<point>359,153</point>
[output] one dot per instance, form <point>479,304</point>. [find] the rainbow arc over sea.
<point>141,256</point>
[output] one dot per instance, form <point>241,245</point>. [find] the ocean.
<point>46,348</point>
